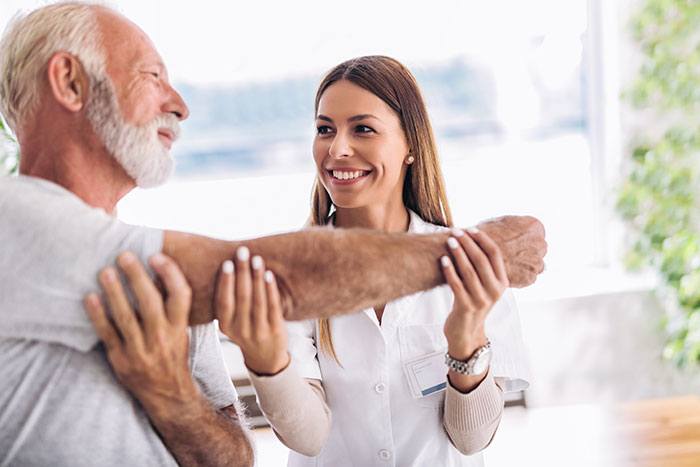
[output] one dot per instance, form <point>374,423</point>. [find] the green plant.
<point>9,153</point>
<point>660,198</point>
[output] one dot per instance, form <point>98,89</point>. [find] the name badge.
<point>427,374</point>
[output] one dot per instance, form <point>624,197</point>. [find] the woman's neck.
<point>384,218</point>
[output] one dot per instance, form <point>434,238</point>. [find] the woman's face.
<point>360,147</point>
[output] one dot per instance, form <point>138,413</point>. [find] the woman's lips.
<point>345,177</point>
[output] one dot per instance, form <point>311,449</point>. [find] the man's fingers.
<point>244,292</point>
<point>454,281</point>
<point>225,308</point>
<point>259,314</point>
<point>274,304</point>
<point>122,314</point>
<point>179,293</point>
<point>98,316</point>
<point>149,299</point>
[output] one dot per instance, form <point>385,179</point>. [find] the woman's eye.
<point>363,129</point>
<point>323,130</point>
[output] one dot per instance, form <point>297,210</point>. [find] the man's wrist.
<point>163,405</point>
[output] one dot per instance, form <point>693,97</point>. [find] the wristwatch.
<point>475,365</point>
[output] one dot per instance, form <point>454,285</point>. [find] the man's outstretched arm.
<point>324,272</point>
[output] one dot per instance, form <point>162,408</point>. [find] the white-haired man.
<point>89,100</point>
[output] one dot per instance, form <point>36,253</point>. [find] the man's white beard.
<point>137,149</point>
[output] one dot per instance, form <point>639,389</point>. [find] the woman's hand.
<point>478,281</point>
<point>250,313</point>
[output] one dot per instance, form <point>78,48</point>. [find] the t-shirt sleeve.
<point>52,247</point>
<point>209,368</point>
<point>509,364</point>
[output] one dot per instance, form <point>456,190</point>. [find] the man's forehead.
<point>124,39</point>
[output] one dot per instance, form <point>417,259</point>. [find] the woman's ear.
<point>67,81</point>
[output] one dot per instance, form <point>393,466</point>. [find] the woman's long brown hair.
<point>424,187</point>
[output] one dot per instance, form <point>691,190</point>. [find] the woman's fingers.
<point>149,299</point>
<point>243,286</point>
<point>455,282</point>
<point>225,303</point>
<point>259,314</point>
<point>179,301</point>
<point>274,304</point>
<point>105,330</point>
<point>124,317</point>
<point>467,270</point>
<point>481,264</point>
<point>494,254</point>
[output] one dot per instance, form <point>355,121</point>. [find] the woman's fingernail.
<point>457,232</point>
<point>243,253</point>
<point>257,262</point>
<point>158,260</point>
<point>452,243</point>
<point>227,267</point>
<point>473,230</point>
<point>269,277</point>
<point>127,258</point>
<point>445,261</point>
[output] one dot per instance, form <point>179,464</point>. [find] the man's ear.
<point>67,81</point>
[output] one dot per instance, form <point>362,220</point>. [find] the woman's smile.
<point>348,176</point>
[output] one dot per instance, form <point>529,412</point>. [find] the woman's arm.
<point>323,272</point>
<point>471,419</point>
<point>250,313</point>
<point>296,409</point>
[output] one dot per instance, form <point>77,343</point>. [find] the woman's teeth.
<point>342,175</point>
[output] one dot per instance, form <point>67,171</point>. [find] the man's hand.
<point>521,241</point>
<point>148,351</point>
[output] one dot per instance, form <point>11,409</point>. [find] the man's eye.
<point>323,130</point>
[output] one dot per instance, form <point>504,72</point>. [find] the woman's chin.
<point>347,202</point>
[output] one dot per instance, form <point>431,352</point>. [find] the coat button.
<point>380,388</point>
<point>384,455</point>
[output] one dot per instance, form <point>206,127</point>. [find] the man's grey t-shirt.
<point>60,403</point>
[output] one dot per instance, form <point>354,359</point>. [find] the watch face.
<point>482,362</point>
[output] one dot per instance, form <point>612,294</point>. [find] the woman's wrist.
<point>267,366</point>
<point>463,348</point>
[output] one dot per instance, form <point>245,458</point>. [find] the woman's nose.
<point>340,146</point>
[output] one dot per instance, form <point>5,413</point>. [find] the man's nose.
<point>176,104</point>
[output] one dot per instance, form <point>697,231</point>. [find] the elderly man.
<point>94,113</point>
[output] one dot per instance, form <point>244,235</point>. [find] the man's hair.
<point>29,42</point>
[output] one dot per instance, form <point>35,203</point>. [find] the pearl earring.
<point>410,160</point>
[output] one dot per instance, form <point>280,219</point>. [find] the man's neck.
<point>94,176</point>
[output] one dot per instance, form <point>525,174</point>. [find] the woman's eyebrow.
<point>362,117</point>
<point>351,119</point>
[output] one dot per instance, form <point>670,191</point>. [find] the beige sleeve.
<point>471,419</point>
<point>296,409</point>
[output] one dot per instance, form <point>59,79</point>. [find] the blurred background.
<point>579,112</point>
